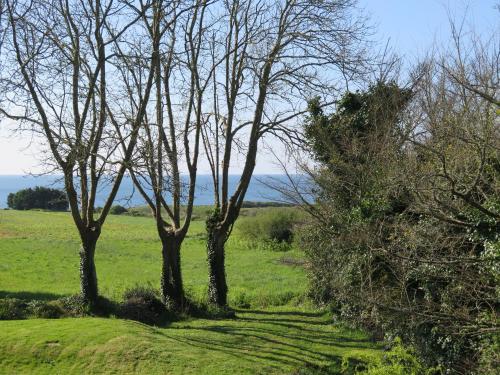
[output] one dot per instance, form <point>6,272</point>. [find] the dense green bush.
<point>143,304</point>
<point>38,198</point>
<point>489,362</point>
<point>241,300</point>
<point>399,360</point>
<point>70,306</point>
<point>137,212</point>
<point>394,244</point>
<point>272,228</point>
<point>74,305</point>
<point>12,308</point>
<point>252,204</point>
<point>45,310</point>
<point>117,210</point>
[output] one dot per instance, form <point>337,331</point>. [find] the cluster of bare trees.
<point>150,87</point>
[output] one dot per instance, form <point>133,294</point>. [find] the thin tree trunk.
<point>217,286</point>
<point>88,274</point>
<point>171,276</point>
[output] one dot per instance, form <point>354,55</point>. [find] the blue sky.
<point>414,25</point>
<point>411,26</point>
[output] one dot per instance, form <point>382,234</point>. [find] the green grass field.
<point>281,333</point>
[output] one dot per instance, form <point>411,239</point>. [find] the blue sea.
<point>258,191</point>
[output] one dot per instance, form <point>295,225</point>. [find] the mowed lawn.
<point>280,333</point>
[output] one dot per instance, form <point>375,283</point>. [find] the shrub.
<point>38,198</point>
<point>399,360</point>
<point>489,361</point>
<point>388,223</point>
<point>137,212</point>
<point>44,309</point>
<point>275,245</point>
<point>312,369</point>
<point>273,227</point>
<point>12,309</point>
<point>145,292</point>
<point>71,306</point>
<point>205,310</point>
<point>197,305</point>
<point>117,210</point>
<point>74,306</point>
<point>144,305</point>
<point>275,299</point>
<point>251,204</point>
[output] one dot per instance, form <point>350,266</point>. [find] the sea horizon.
<point>128,196</point>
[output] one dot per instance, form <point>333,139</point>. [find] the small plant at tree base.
<point>242,301</point>
<point>143,304</point>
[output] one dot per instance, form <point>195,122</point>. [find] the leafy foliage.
<point>45,310</point>
<point>272,228</point>
<point>398,361</point>
<point>404,240</point>
<point>143,304</point>
<point>40,197</point>
<point>12,308</point>
<point>74,305</point>
<point>117,210</point>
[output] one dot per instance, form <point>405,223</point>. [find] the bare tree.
<point>277,54</point>
<point>454,129</point>
<point>2,23</point>
<point>170,135</point>
<point>61,85</point>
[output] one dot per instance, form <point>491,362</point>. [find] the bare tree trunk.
<point>217,286</point>
<point>88,274</point>
<point>171,276</point>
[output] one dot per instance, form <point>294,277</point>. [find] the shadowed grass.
<point>248,344</point>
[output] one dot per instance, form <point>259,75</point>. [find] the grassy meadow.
<point>275,331</point>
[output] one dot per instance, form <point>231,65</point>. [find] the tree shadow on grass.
<point>291,323</point>
<point>289,341</point>
<point>299,325</point>
<point>289,313</point>
<point>306,336</point>
<point>271,353</point>
<point>278,340</point>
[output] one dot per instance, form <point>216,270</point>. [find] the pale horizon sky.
<point>411,26</point>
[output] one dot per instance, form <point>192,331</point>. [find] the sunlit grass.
<point>278,334</point>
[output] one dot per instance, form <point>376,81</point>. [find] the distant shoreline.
<point>128,196</point>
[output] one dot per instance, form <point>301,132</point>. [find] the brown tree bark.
<point>172,289</point>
